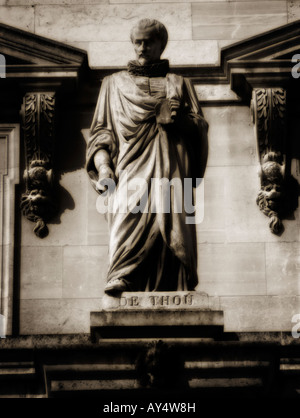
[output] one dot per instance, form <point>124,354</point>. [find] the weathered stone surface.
<point>92,385</point>
<point>210,92</point>
<point>192,52</point>
<point>231,136</point>
<point>212,228</point>
<point>259,313</point>
<point>158,1</point>
<point>109,23</point>
<point>282,268</point>
<point>239,382</point>
<point>97,227</point>
<point>84,271</point>
<point>152,317</point>
<point>56,2</point>
<point>232,269</point>
<point>159,301</point>
<point>236,20</point>
<point>110,54</point>
<point>270,1</point>
<point>230,210</point>
<point>116,54</point>
<point>56,316</point>
<point>241,314</point>
<point>244,221</point>
<point>153,314</point>
<point>19,17</point>
<point>225,42</point>
<point>41,272</point>
<point>293,10</point>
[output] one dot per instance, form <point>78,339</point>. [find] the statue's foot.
<point>116,286</point>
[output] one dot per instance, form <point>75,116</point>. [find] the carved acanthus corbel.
<point>276,198</point>
<point>37,203</point>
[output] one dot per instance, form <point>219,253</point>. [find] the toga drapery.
<point>149,249</point>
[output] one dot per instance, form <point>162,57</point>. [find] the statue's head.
<point>149,38</point>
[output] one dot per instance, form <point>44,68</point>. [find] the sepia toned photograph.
<point>149,202</point>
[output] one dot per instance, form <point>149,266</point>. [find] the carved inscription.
<point>164,300</point>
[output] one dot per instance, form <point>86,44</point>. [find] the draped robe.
<point>149,249</point>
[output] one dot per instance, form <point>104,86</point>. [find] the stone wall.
<point>255,274</point>
<point>197,28</point>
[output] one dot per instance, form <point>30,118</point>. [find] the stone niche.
<point>234,331</point>
<point>244,266</point>
<point>250,268</point>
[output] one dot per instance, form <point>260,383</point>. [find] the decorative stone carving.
<point>37,203</point>
<point>277,197</point>
<point>160,367</point>
<point>148,124</point>
<point>271,197</point>
<point>269,115</point>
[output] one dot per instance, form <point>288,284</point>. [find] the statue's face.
<point>147,47</point>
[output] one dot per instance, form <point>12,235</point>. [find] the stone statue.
<point>147,125</point>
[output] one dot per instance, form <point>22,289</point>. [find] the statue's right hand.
<point>105,172</point>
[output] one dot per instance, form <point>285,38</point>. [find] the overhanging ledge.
<point>29,55</point>
<point>156,324</point>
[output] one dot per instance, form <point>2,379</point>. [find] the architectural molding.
<point>278,195</point>
<point>264,60</point>
<point>268,108</point>
<point>38,202</point>
<point>52,366</point>
<point>40,73</point>
<point>9,177</point>
<point>28,55</point>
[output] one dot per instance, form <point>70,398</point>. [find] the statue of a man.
<point>148,125</point>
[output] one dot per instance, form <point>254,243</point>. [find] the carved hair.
<point>37,202</point>
<point>38,207</point>
<point>271,197</point>
<point>158,29</point>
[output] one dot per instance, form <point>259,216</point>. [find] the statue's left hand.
<point>105,173</point>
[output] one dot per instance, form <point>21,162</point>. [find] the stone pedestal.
<point>157,315</point>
